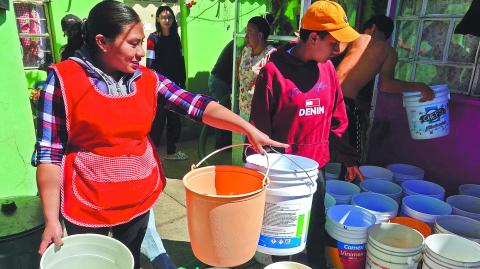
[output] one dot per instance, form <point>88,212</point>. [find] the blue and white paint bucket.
<point>459,225</point>
<point>470,189</point>
<point>413,187</point>
<point>403,172</point>
<point>342,191</point>
<point>465,205</point>
<point>384,187</point>
<point>383,207</point>
<point>429,119</point>
<point>424,208</point>
<point>449,251</point>
<point>376,172</point>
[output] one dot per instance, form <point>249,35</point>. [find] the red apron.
<point>110,170</point>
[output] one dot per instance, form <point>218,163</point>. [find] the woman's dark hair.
<point>262,25</point>
<point>173,28</point>
<point>107,18</point>
<point>72,26</point>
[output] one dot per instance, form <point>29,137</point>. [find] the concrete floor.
<point>170,209</point>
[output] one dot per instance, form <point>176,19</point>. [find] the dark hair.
<point>72,26</point>
<point>71,23</point>
<point>304,34</point>
<point>158,27</point>
<point>262,25</point>
<point>107,18</point>
<point>383,23</point>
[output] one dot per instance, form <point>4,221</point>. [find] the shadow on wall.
<point>3,16</point>
<point>199,83</point>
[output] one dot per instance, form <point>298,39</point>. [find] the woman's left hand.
<point>352,173</point>
<point>258,139</point>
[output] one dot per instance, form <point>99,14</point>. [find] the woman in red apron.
<point>95,162</point>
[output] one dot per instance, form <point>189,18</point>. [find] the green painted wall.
<point>17,136</point>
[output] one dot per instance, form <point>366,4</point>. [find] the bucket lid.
<point>20,214</point>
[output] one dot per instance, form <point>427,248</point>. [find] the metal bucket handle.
<point>264,181</point>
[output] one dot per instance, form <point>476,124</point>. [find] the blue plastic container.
<point>414,187</point>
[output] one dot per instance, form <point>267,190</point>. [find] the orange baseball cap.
<point>329,16</point>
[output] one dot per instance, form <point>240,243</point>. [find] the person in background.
<point>255,55</point>
<point>165,56</point>
<point>71,27</point>
<point>298,101</point>
<point>96,165</point>
<point>366,57</point>
<point>220,86</point>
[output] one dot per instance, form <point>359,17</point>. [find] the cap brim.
<point>347,34</point>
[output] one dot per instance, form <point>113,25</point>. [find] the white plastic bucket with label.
<point>449,251</point>
<point>430,119</point>
<point>393,246</point>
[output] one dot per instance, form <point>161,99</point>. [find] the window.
<point>428,49</point>
<point>34,33</point>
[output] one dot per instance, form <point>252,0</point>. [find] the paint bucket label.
<point>428,121</point>
<point>284,225</point>
<point>343,255</point>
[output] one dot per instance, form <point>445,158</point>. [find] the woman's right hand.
<point>51,234</point>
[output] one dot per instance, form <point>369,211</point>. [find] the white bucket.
<point>465,205</point>
<point>403,172</point>
<point>282,163</point>
<point>393,246</point>
<point>342,191</point>
<point>428,188</point>
<point>383,207</point>
<point>470,189</point>
<point>285,220</point>
<point>376,172</point>
<point>287,265</point>
<point>332,171</point>
<point>428,119</point>
<point>459,225</point>
<point>346,228</point>
<point>449,251</point>
<point>384,187</point>
<point>87,251</point>
<point>424,208</point>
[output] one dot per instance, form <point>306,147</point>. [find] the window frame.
<point>452,20</point>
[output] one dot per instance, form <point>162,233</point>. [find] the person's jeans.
<point>219,89</point>
<point>316,230</point>
<point>152,245</point>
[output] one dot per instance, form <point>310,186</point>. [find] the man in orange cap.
<point>298,101</point>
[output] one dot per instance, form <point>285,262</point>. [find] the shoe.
<point>176,156</point>
<point>163,261</point>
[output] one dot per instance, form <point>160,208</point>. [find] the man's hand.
<point>352,173</point>
<point>427,93</point>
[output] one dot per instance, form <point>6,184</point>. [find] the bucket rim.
<point>314,164</point>
<point>436,88</point>
<point>428,248</point>
<point>86,235</point>
<point>243,195</point>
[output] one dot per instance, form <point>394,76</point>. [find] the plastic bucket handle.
<point>312,182</point>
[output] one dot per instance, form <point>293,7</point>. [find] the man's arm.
<point>354,52</point>
<point>388,83</point>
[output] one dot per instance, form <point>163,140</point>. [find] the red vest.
<point>110,171</point>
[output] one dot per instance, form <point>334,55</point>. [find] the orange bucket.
<point>225,207</point>
<point>420,226</point>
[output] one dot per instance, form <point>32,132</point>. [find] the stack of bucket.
<point>430,119</point>
<point>342,191</point>
<point>424,208</point>
<point>403,172</point>
<point>392,245</point>
<point>470,189</point>
<point>465,205</point>
<point>346,228</point>
<point>383,207</point>
<point>459,225</point>
<point>448,251</point>
<point>414,187</point>
<point>288,201</point>
<point>384,187</point>
<point>376,172</point>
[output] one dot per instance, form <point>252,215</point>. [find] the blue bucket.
<point>424,208</point>
<point>329,201</point>
<point>414,187</point>
<point>342,191</point>
<point>376,172</point>
<point>470,189</point>
<point>380,186</point>
<point>383,207</point>
<point>403,172</point>
<point>465,205</point>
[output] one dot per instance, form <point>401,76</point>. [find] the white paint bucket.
<point>429,119</point>
<point>470,189</point>
<point>459,225</point>
<point>465,205</point>
<point>449,251</point>
<point>285,220</point>
<point>403,172</point>
<point>376,172</point>
<point>87,251</point>
<point>384,187</point>
<point>287,265</point>
<point>282,163</point>
<point>428,188</point>
<point>424,208</point>
<point>346,228</point>
<point>393,246</point>
<point>383,207</point>
<point>342,191</point>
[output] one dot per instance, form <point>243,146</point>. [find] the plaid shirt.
<point>51,121</point>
